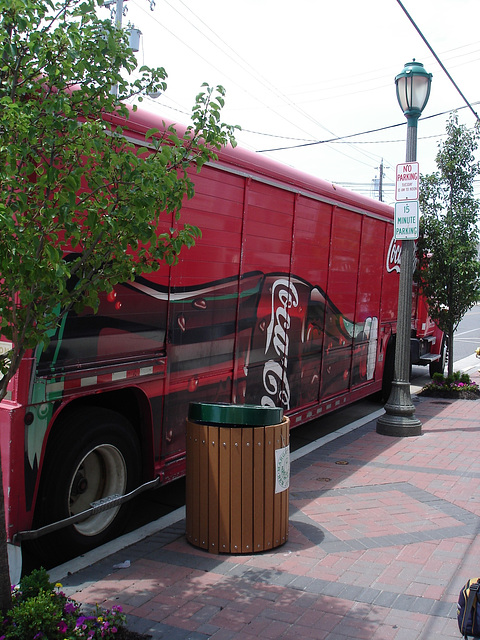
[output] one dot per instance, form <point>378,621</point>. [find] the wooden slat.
<point>285,494</point>
<point>258,488</point>
<point>236,490</point>
<point>277,497</point>
<point>213,488</point>
<point>224,491</point>
<point>247,490</point>
<point>203,491</point>
<point>269,484</point>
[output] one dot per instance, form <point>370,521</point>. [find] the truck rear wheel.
<point>95,454</point>
<point>388,370</point>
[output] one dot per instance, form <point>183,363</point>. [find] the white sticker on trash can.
<point>282,463</point>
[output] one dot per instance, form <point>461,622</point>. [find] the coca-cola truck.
<point>289,299</point>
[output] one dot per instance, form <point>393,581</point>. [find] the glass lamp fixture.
<point>413,88</point>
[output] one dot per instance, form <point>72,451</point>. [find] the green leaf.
<point>71,185</point>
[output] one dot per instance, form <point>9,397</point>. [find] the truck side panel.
<point>311,252</point>
<point>281,302</point>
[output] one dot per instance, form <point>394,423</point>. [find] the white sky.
<point>309,70</point>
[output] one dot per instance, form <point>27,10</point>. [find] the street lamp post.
<point>413,90</point>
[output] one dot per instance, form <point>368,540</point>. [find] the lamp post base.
<point>399,417</point>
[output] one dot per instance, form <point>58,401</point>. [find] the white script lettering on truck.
<point>284,296</point>
<point>394,256</point>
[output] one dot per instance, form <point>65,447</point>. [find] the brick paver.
<point>379,548</point>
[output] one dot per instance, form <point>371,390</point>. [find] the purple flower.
<point>70,608</point>
<point>62,626</point>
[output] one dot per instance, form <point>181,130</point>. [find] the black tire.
<point>95,454</point>
<point>438,366</point>
<point>388,370</point>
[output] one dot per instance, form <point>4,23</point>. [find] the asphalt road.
<point>467,336</point>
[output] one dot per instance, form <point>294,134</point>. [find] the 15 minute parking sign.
<point>406,220</point>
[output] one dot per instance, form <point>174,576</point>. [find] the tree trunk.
<point>15,361</point>
<point>450,350</point>
<point>5,587</point>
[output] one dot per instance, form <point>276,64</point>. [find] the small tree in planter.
<point>449,269</point>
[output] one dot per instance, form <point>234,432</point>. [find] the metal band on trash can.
<point>231,415</point>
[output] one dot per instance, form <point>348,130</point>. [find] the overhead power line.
<point>227,50</point>
<point>353,135</point>
<point>438,60</point>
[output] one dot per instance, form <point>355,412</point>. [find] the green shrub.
<point>458,381</point>
<point>36,617</point>
<point>41,611</point>
<point>31,585</point>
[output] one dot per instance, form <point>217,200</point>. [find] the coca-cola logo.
<point>394,256</point>
<point>275,383</point>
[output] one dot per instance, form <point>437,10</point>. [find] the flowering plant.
<point>41,611</point>
<point>452,385</point>
<point>103,624</point>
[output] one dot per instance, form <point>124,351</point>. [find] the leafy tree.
<point>80,205</point>
<point>449,270</point>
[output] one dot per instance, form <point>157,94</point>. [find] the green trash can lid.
<point>234,415</point>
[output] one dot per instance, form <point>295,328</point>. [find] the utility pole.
<point>380,183</point>
<point>117,13</point>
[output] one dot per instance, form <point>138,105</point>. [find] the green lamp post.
<point>413,90</point>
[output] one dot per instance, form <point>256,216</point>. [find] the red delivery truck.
<point>289,299</point>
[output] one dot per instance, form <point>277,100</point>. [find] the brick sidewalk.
<point>383,535</point>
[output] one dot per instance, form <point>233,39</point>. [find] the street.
<point>467,336</point>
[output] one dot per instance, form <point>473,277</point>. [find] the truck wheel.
<point>388,370</point>
<point>438,366</point>
<point>96,454</point>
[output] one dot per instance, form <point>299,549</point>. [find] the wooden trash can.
<point>238,473</point>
